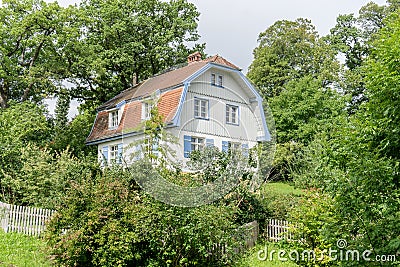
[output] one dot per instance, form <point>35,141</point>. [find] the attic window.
<point>113,119</point>
<point>146,110</point>
<point>216,80</point>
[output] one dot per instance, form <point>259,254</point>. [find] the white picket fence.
<point>26,220</point>
<point>278,230</point>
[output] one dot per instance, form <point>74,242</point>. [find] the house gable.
<point>172,88</point>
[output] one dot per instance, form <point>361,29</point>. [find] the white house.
<point>206,102</point>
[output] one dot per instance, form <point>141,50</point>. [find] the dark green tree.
<point>356,164</point>
<point>289,50</point>
<point>61,112</point>
<point>33,36</point>
<point>352,38</point>
<point>126,42</point>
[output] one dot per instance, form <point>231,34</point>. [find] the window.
<point>234,145</point>
<point>192,143</point>
<point>150,146</point>
<point>220,80</point>
<point>146,110</point>
<point>216,80</point>
<point>196,143</point>
<point>232,114</point>
<point>213,79</point>
<point>113,119</point>
<point>229,146</point>
<point>200,108</point>
<point>114,153</point>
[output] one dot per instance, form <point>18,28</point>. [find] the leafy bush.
<point>277,199</point>
<point>43,179</point>
<point>108,221</point>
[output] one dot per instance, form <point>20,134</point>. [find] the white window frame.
<point>217,79</point>
<point>113,119</point>
<point>197,143</point>
<point>201,108</point>
<point>146,110</point>
<point>213,79</point>
<point>113,153</point>
<point>220,80</point>
<point>232,117</point>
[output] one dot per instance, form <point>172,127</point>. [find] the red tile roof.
<point>168,103</point>
<point>165,80</point>
<point>131,117</point>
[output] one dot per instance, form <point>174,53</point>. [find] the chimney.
<point>195,57</point>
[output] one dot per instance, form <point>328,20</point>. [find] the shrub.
<point>109,221</point>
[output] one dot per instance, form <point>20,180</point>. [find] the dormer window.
<point>146,110</point>
<point>113,119</point>
<point>216,79</point>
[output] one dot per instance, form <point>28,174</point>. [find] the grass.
<point>252,259</point>
<point>19,250</point>
<point>281,188</point>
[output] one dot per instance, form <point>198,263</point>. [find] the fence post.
<point>4,216</point>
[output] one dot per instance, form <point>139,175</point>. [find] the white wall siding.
<point>250,123</point>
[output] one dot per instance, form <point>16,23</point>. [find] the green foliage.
<point>289,50</point>
<point>304,109</point>
<point>361,184</point>
<point>73,135</point>
<point>43,179</point>
<point>126,42</point>
<point>61,112</point>
<point>101,47</point>
<point>314,221</point>
<point>21,250</point>
<point>31,174</point>
<point>33,38</point>
<point>20,125</point>
<point>383,76</point>
<point>353,38</point>
<point>277,199</point>
<point>107,221</point>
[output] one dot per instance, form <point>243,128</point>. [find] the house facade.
<point>204,103</point>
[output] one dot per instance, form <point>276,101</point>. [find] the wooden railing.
<point>26,220</point>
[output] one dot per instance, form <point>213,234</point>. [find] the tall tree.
<point>127,41</point>
<point>32,37</point>
<point>352,38</point>
<point>289,50</point>
<point>382,82</point>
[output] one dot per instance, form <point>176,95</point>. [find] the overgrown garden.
<point>337,134</point>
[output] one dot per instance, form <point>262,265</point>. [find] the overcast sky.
<point>230,28</point>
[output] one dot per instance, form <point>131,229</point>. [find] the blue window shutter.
<point>225,146</point>
<point>209,142</point>
<point>119,159</point>
<point>105,155</point>
<point>245,148</point>
<point>187,145</point>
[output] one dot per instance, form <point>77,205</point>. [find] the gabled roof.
<point>170,86</point>
<point>166,80</point>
